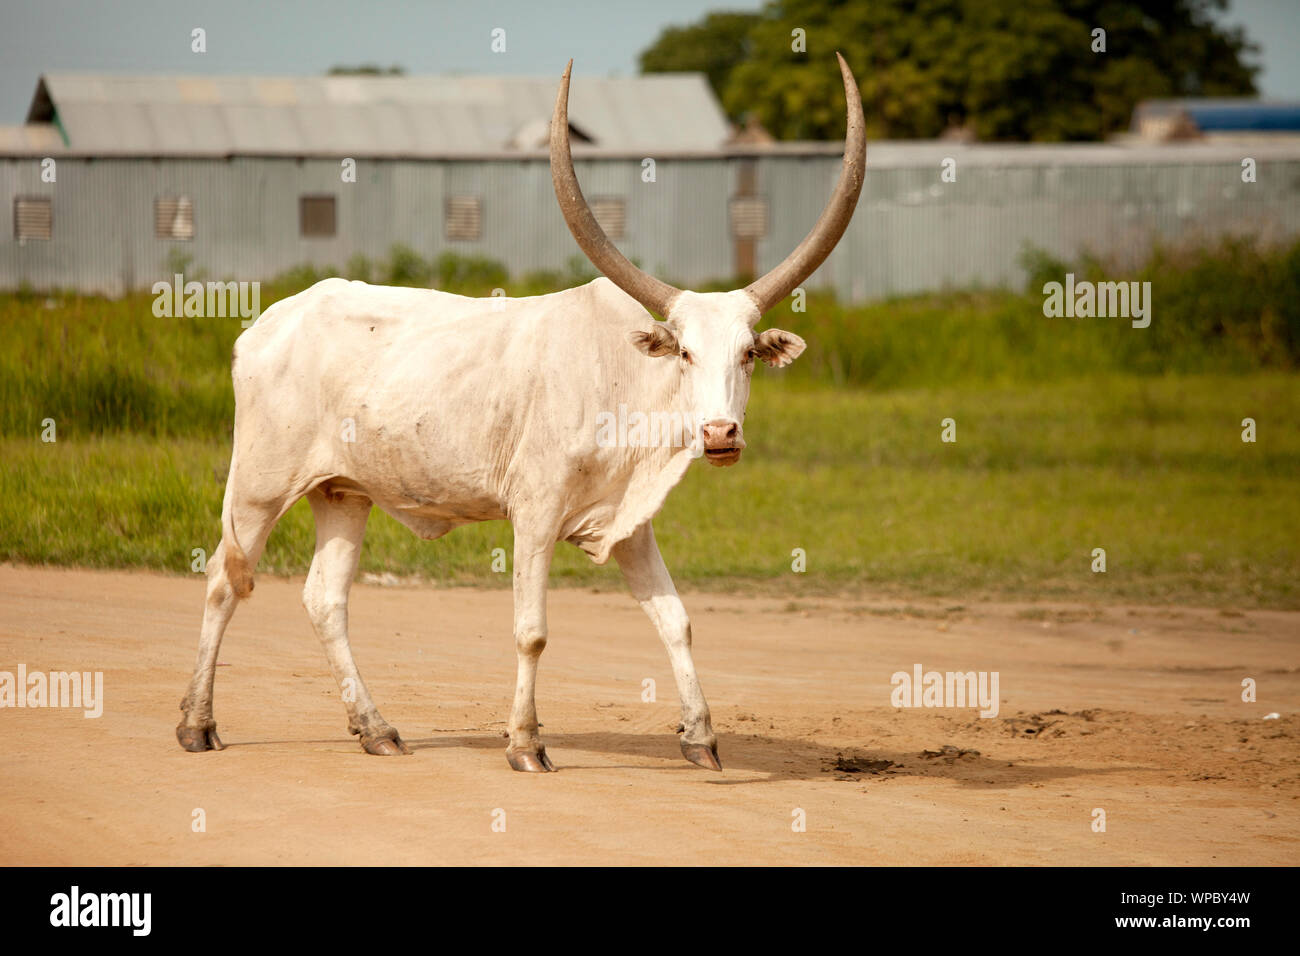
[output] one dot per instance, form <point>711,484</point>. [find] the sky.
<point>307,37</point>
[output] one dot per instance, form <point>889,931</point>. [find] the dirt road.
<point>1136,712</point>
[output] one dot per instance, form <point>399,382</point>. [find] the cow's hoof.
<point>702,755</point>
<point>198,739</point>
<point>528,761</point>
<point>392,746</point>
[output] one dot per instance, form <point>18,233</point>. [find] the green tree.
<point>1008,69</point>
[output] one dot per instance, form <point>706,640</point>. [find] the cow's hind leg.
<point>650,583</point>
<point>532,565</point>
<point>340,526</point>
<point>197,730</point>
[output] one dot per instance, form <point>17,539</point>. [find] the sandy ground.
<point>1134,711</point>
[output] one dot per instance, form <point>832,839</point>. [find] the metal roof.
<point>477,118</point>
<point>42,138</point>
<point>427,116</point>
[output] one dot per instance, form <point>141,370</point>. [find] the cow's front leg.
<point>532,566</point>
<point>648,578</point>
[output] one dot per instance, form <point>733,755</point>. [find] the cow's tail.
<point>238,571</point>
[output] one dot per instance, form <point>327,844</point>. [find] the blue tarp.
<point>1253,116</point>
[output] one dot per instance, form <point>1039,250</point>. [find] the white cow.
<point>443,410</point>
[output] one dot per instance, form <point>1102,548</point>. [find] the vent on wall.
<point>33,219</point>
<point>748,217</point>
<point>611,215</point>
<point>173,217</point>
<point>464,218</point>
<point>316,216</point>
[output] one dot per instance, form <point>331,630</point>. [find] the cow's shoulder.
<point>607,303</point>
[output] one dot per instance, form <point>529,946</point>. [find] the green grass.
<point>1072,434</point>
<point>1151,469</point>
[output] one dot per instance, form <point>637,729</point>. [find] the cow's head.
<point>710,335</point>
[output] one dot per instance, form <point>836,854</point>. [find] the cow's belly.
<point>430,513</point>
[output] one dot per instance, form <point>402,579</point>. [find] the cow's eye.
<point>686,356</point>
<point>751,355</point>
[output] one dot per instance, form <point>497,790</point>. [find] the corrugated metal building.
<point>244,177</point>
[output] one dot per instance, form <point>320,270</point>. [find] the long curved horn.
<point>650,292</point>
<point>817,245</point>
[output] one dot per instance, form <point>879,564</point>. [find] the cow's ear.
<point>658,341</point>
<point>778,348</point>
